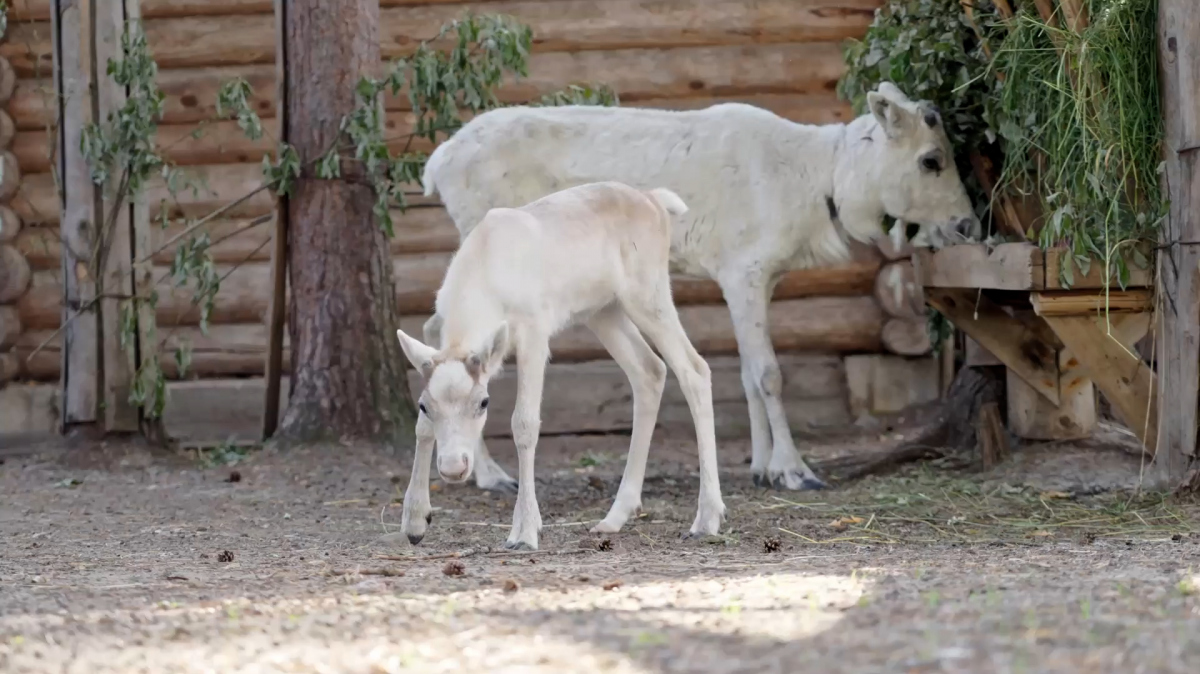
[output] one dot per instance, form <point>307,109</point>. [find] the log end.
<point>906,337</point>
<point>8,130</point>
<point>10,176</point>
<point>10,225</point>
<point>14,274</point>
<point>10,327</point>
<point>8,81</point>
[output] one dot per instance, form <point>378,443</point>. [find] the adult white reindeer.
<point>597,254</point>
<point>765,196</point>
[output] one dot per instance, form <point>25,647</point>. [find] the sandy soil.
<point>123,561</point>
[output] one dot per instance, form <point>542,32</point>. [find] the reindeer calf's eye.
<point>931,164</point>
<point>483,404</point>
<point>421,406</point>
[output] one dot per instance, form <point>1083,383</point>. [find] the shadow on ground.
<point>144,563</point>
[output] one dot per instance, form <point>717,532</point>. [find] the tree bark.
<point>347,374</point>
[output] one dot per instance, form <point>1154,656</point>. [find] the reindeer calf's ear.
<point>419,354</point>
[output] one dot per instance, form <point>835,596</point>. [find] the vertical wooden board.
<point>117,274</point>
<point>1179,265</point>
<point>81,350</point>
<point>142,249</point>
<point>277,305</point>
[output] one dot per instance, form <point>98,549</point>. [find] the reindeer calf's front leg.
<point>418,513</point>
<point>527,517</point>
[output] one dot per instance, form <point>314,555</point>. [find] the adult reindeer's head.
<point>918,181</point>
<point>455,397</point>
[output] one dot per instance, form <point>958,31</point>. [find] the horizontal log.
<point>563,26</point>
<point>418,230</point>
<point>636,74</point>
<point>206,189</point>
<point>223,142</point>
<point>226,351</point>
<point>242,297</point>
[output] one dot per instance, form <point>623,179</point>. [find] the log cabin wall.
<point>783,55</point>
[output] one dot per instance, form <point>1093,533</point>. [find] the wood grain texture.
<point>1008,266</point>
<point>1120,374</point>
<point>1022,349</point>
<point>81,363</point>
<point>1179,265</point>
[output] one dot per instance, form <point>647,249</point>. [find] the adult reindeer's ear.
<point>420,355</point>
<point>887,105</point>
<point>490,355</point>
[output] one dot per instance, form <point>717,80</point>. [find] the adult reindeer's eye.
<point>931,164</point>
<point>421,406</point>
<point>483,404</point>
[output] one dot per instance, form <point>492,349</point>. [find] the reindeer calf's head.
<point>455,397</point>
<point>919,182</point>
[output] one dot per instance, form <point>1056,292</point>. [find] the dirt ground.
<point>123,561</point>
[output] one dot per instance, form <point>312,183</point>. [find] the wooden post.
<point>119,364</point>
<point>143,273</point>
<point>279,254</point>
<point>1179,261</point>
<point>73,65</point>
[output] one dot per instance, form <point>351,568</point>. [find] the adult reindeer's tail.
<point>432,165</point>
<point>670,201</point>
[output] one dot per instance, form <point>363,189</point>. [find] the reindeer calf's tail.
<point>670,201</point>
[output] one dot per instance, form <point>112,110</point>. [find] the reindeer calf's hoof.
<point>518,546</point>
<point>415,539</point>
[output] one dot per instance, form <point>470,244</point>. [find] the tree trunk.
<point>347,375</point>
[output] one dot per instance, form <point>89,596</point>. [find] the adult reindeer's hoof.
<point>519,546</point>
<point>505,485</point>
<point>415,539</point>
<point>792,480</point>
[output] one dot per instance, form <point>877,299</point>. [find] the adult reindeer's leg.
<point>489,475</point>
<point>747,298</point>
<point>658,319</point>
<point>760,425</point>
<point>526,424</point>
<point>647,376</point>
<point>417,511</point>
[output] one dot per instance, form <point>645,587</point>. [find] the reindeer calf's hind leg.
<point>657,318</point>
<point>647,377</point>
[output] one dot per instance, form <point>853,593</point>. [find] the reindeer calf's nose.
<point>454,468</point>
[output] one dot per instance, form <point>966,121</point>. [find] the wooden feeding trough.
<point>1057,344</point>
